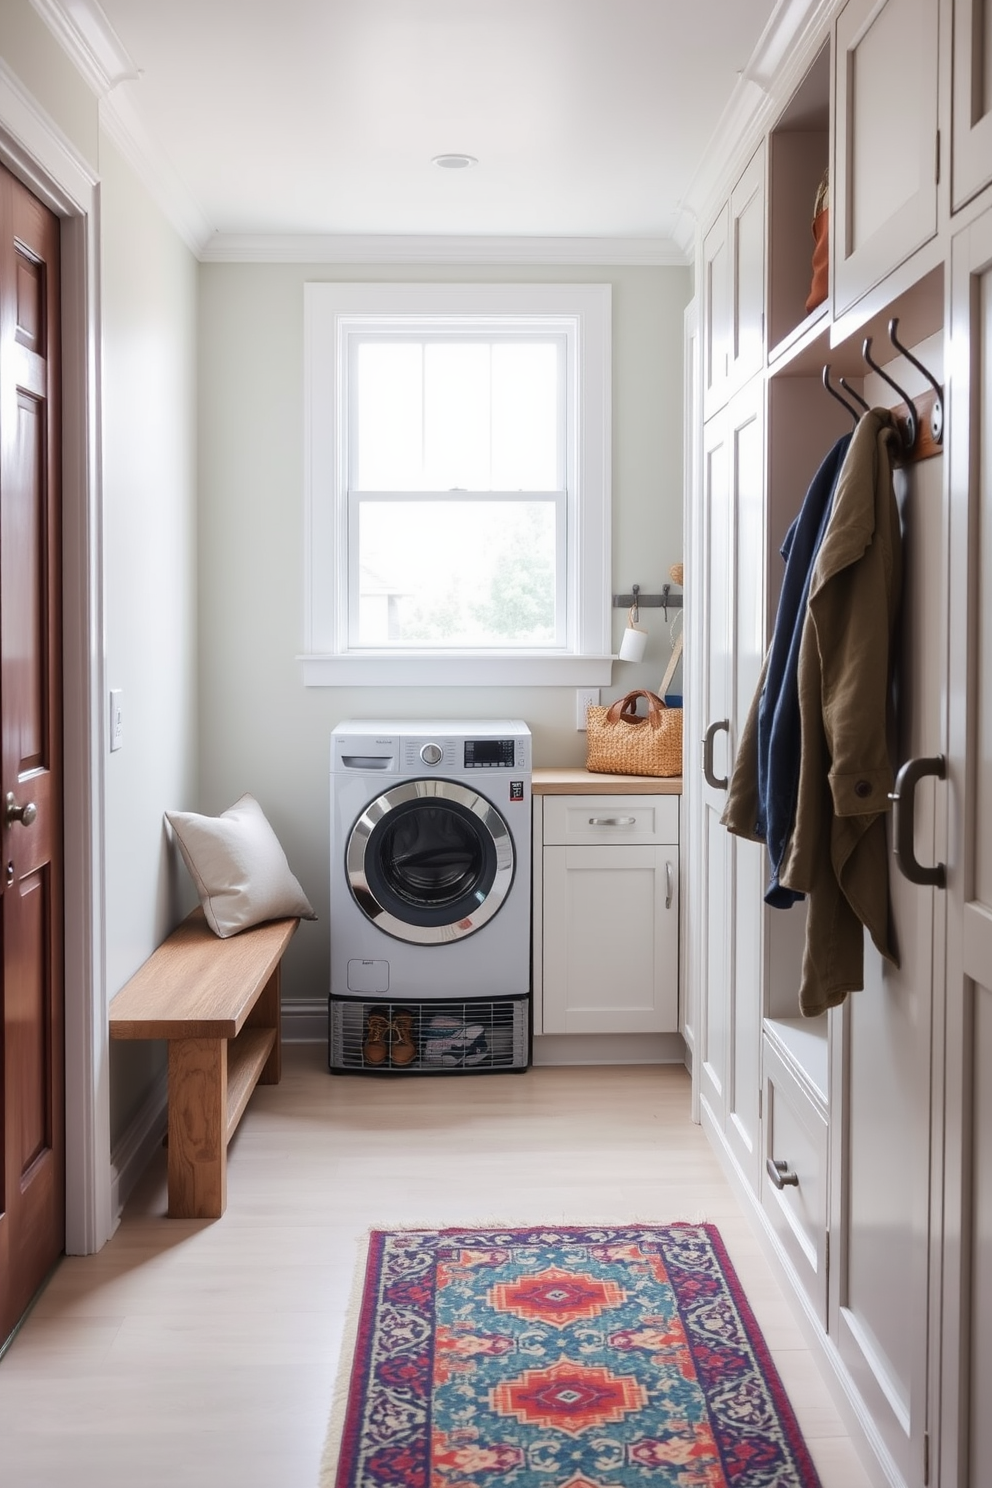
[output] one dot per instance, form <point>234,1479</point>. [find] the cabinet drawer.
<point>795,1130</point>
<point>592,821</point>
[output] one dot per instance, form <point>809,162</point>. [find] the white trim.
<point>442,249</point>
<point>137,1145</point>
<point>607,1048</point>
<point>119,119</point>
<point>472,670</point>
<point>304,1022</point>
<point>791,31</point>
<point>32,146</point>
<point>93,46</point>
<point>582,313</point>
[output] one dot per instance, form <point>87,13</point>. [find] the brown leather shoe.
<point>402,1049</point>
<point>377,1031</point>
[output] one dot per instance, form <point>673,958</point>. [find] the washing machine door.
<point>430,861</point>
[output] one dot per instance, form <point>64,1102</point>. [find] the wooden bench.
<point>217,1003</point>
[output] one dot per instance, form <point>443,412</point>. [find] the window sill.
<point>470,670</point>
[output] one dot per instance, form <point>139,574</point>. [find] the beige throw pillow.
<point>239,868</point>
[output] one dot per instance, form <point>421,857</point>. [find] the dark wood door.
<point>32,1152</point>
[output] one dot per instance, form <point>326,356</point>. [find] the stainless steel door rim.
<point>441,894</point>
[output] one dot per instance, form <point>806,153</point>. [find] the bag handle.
<point>673,662</point>
<point>624,710</point>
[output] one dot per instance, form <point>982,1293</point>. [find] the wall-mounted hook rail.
<point>937,411</point>
<point>664,601</point>
<point>920,420</point>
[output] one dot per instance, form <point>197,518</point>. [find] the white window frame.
<point>582,314</point>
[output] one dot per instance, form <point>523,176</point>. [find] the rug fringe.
<point>342,1382</point>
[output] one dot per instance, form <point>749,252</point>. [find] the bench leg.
<point>197,1128</point>
<point>267,1013</point>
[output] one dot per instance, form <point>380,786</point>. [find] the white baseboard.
<point>608,1048</point>
<point>304,1022</point>
<point>134,1150</point>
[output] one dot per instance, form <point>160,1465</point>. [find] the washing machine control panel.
<point>489,754</point>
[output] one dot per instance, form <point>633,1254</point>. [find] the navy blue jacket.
<point>777,701</point>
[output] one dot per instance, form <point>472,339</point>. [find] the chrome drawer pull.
<point>669,885</point>
<point>613,821</point>
<point>781,1175</point>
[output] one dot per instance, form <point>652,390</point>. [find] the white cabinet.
<point>884,186</point>
<point>734,289</point>
<point>731,645</point>
<point>795,1156</point>
<point>966,1425</point>
<point>610,914</point>
<point>835,1127</point>
<point>971,164</point>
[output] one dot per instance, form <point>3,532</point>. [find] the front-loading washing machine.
<point>430,905</point>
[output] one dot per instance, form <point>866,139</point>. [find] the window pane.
<point>456,573</point>
<point>389,422</point>
<point>456,417</point>
<point>526,428</point>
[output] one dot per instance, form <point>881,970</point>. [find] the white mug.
<point>633,644</point>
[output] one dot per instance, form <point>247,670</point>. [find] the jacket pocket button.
<point>863,788</point>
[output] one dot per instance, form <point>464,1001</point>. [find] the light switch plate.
<point>116,718</point>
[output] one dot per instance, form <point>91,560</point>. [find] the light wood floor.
<point>194,1354</point>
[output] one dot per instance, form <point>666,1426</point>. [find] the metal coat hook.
<point>839,396</point>
<point>635,590</point>
<point>909,427</point>
<point>937,412</point>
<point>664,599</point>
<point>851,393</point>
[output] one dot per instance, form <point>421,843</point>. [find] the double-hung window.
<point>458,483</point>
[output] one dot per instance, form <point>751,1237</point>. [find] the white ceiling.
<point>589,118</point>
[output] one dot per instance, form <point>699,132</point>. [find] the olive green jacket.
<point>837,855</point>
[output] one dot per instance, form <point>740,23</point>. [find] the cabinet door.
<point>747,270</point>
<point>748,859</point>
<point>966,1434</point>
<point>971,158</point>
<point>884,186</point>
<point>611,919</point>
<point>712,646</point>
<point>716,314</point>
<point>734,289</point>
<point>882,1046</point>
<point>731,646</point>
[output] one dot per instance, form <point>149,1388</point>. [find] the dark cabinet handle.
<point>903,799</point>
<point>708,738</point>
<point>781,1174</point>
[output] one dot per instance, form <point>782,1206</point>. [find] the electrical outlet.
<point>116,718</point>
<point>585,697</point>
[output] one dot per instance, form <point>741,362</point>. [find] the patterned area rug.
<point>561,1358</point>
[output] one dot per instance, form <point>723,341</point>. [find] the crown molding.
<point>119,120</point>
<point>91,42</point>
<point>794,30</point>
<point>441,249</point>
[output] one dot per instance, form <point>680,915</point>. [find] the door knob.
<point>24,814</point>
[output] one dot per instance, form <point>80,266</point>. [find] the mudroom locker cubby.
<point>860,1140</point>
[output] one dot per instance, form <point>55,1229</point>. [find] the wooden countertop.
<point>568,781</point>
